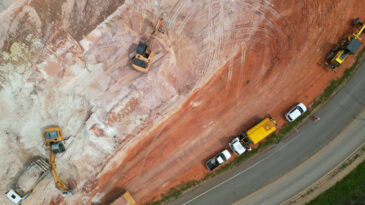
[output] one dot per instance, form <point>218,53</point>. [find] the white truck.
<point>27,179</point>
<point>256,134</point>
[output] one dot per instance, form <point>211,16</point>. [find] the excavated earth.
<point>222,65</point>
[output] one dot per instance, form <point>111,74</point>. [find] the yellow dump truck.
<point>260,131</point>
<point>125,199</point>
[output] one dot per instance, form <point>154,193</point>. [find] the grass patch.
<point>175,192</point>
<point>350,190</point>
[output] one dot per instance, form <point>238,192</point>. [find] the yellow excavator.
<point>144,55</point>
<point>346,47</point>
<point>53,139</point>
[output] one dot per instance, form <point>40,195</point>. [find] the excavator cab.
<point>143,59</point>
<point>53,137</point>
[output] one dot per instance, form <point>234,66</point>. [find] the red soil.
<point>269,81</point>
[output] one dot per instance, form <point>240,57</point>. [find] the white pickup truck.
<point>218,160</point>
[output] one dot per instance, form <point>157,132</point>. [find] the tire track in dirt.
<point>185,21</point>
<point>265,28</point>
<point>266,32</point>
<point>213,35</point>
<point>179,6</point>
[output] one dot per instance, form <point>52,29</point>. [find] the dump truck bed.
<point>125,199</point>
<point>261,130</point>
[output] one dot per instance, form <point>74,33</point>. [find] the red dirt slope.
<point>283,63</point>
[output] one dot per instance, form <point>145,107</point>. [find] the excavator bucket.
<point>67,193</point>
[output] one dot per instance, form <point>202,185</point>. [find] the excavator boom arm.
<point>52,161</point>
<point>359,32</point>
<point>157,28</point>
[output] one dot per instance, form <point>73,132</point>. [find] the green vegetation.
<point>175,192</point>
<point>350,190</point>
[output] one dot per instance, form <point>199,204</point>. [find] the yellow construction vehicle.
<point>125,198</point>
<point>53,139</point>
<point>256,134</point>
<point>346,47</point>
<point>144,55</point>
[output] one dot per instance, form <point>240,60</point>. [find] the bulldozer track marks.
<point>172,18</point>
<point>182,25</point>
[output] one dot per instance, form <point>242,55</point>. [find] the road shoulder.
<point>330,179</point>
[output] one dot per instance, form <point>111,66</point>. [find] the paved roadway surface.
<point>326,142</point>
<point>314,168</point>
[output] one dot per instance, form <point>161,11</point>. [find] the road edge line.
<point>318,182</point>
<point>300,165</point>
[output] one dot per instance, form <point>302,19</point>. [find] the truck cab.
<point>14,196</point>
<point>27,179</point>
<point>236,146</point>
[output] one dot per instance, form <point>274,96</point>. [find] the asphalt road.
<point>313,169</point>
<point>328,141</point>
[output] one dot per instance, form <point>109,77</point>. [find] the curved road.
<point>326,142</point>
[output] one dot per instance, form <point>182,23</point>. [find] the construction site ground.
<point>223,65</point>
